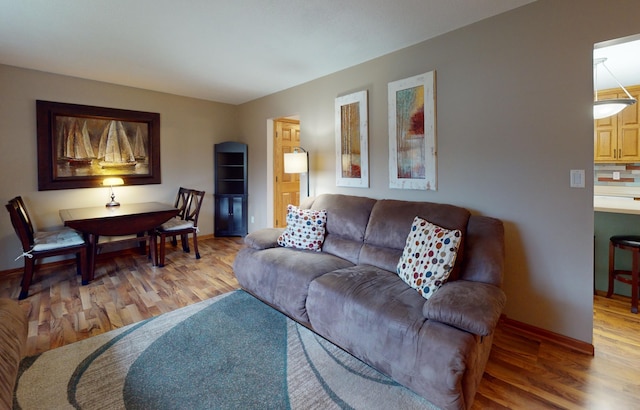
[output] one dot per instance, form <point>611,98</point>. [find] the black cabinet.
<point>230,176</point>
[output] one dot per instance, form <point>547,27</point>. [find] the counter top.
<point>616,204</point>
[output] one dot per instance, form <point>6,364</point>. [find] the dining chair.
<point>182,202</point>
<point>43,244</point>
<point>189,202</point>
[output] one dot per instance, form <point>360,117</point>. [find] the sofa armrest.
<point>263,238</point>
<point>471,306</point>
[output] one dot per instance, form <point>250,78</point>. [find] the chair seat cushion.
<point>626,240</point>
<point>65,237</point>
<point>176,224</point>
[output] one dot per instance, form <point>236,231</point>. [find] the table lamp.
<point>110,182</point>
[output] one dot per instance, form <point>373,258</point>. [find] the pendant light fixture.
<point>607,108</point>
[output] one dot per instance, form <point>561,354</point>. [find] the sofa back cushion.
<point>347,218</point>
<point>389,225</point>
<point>484,251</point>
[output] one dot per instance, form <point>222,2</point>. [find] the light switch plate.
<point>577,178</point>
<point>616,175</point>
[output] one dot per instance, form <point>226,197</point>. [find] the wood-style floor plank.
<point>127,289</point>
<point>522,372</point>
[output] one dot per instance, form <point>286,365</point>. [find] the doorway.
<point>615,179</point>
<point>286,137</point>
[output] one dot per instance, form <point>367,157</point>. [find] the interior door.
<point>287,186</point>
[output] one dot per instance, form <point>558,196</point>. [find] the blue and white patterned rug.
<point>230,352</point>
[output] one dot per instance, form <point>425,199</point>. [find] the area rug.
<point>230,352</point>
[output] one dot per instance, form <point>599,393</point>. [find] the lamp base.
<point>113,202</point>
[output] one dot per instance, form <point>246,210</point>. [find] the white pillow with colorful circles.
<point>428,257</point>
<point>305,229</point>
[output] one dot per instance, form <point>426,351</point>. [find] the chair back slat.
<point>21,222</point>
<point>192,212</point>
<point>182,201</point>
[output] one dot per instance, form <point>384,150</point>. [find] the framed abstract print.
<point>352,135</point>
<point>412,133</point>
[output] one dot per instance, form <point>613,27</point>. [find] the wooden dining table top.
<point>119,220</point>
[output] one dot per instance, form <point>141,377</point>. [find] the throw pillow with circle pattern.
<point>305,229</point>
<point>428,257</point>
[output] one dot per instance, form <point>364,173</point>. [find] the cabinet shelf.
<point>230,176</point>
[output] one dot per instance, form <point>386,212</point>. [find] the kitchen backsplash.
<point>629,174</point>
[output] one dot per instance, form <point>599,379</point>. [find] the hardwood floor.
<point>522,373</point>
<point>127,289</point>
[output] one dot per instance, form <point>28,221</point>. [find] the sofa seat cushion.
<point>374,315</point>
<point>281,276</point>
<point>369,312</point>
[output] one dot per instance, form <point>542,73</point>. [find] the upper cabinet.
<point>617,138</point>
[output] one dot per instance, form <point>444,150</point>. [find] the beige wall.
<point>514,116</point>
<point>514,99</point>
<point>189,129</point>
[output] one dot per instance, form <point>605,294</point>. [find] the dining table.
<point>125,219</point>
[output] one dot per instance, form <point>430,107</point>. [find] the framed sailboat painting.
<point>80,145</point>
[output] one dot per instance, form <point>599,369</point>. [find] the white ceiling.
<point>230,51</point>
<point>623,60</point>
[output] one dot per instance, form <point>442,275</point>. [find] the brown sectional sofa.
<point>13,339</point>
<point>350,293</point>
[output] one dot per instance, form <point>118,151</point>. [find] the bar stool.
<point>628,243</point>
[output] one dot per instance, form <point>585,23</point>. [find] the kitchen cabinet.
<point>617,138</point>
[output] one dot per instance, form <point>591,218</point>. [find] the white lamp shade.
<point>113,181</point>
<point>607,108</point>
<point>295,163</point>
